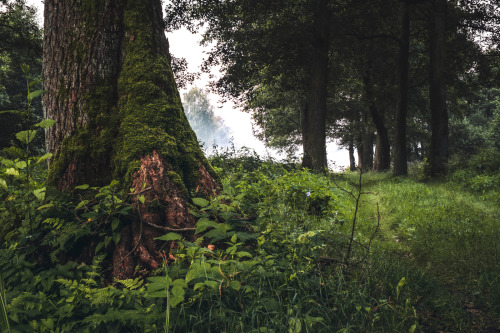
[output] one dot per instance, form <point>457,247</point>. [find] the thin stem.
<point>357,198</point>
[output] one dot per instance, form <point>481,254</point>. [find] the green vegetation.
<point>271,254</point>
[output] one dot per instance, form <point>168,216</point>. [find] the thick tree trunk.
<point>119,116</point>
<point>438,154</point>
<point>383,154</point>
<point>314,119</point>
<point>400,149</point>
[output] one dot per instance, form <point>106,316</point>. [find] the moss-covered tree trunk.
<point>119,116</point>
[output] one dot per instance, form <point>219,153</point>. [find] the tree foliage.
<point>209,128</point>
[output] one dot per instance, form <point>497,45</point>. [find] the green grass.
<point>449,234</point>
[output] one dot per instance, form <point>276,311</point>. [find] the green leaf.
<point>234,239</point>
<point>40,193</point>
<point>116,237</point>
<point>81,204</point>
<point>82,187</point>
<point>115,222</point>
<point>25,68</point>
<point>45,206</point>
<point>12,172</point>
<point>21,164</point>
<point>400,285</point>
<point>26,136</point>
<point>200,202</point>
<point>34,82</point>
<point>3,184</point>
<point>46,123</point>
<point>19,113</point>
<point>412,328</point>
<point>203,224</point>
<point>171,236</point>
<point>236,285</point>
<point>242,254</point>
<point>141,198</point>
<point>195,273</point>
<point>212,284</point>
<point>180,282</point>
<point>43,158</point>
<point>15,151</point>
<point>35,94</point>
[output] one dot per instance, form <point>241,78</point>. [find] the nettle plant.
<point>22,175</point>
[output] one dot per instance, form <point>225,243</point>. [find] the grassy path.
<point>447,234</point>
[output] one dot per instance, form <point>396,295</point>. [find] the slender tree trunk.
<point>119,116</point>
<point>383,154</point>
<point>367,144</point>
<point>438,154</point>
<point>314,120</point>
<point>359,149</point>
<point>400,149</point>
<point>352,161</point>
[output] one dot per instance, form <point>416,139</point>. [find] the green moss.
<point>134,114</point>
<point>150,106</point>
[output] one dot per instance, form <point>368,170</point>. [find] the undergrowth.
<point>276,251</point>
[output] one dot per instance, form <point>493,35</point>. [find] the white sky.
<point>183,44</point>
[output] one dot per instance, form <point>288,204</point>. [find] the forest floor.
<point>450,234</point>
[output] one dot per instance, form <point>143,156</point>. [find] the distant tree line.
<point>391,79</point>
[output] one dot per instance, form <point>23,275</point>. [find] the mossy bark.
<point>119,116</point>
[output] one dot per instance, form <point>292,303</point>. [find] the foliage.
<point>21,44</point>
<point>209,128</point>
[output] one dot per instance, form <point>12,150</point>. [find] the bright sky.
<point>183,44</point>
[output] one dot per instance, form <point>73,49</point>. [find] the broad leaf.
<point>26,136</point>
<point>12,172</point>
<point>115,222</point>
<point>171,236</point>
<point>200,202</point>
<point>203,224</point>
<point>35,94</point>
<point>46,123</point>
<point>3,184</point>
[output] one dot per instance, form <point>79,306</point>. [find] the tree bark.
<point>314,119</point>
<point>118,115</point>
<point>438,154</point>
<point>383,154</point>
<point>366,146</point>
<point>400,149</point>
<point>352,160</point>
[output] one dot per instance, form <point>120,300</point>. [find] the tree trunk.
<point>314,119</point>
<point>352,161</point>
<point>119,116</point>
<point>438,154</point>
<point>383,154</point>
<point>400,149</point>
<point>366,160</point>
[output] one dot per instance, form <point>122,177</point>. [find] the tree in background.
<point>118,114</point>
<point>257,42</point>
<point>209,128</point>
